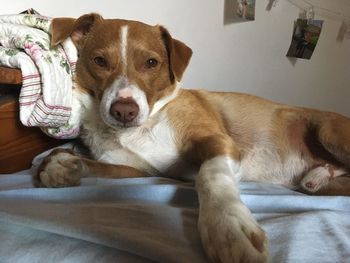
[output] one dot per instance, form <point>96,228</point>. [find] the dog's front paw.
<point>231,234</point>
<point>59,169</point>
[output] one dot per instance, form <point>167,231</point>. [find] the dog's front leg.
<point>64,168</point>
<point>228,230</point>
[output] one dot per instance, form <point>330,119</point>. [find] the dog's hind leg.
<point>334,135</point>
<point>64,168</point>
<point>328,140</point>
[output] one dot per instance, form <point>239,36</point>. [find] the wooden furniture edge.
<point>10,76</point>
<point>18,144</point>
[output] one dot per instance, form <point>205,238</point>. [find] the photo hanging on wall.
<point>246,9</point>
<point>236,11</point>
<point>306,33</point>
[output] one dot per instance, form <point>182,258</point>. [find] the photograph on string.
<point>306,33</point>
<point>246,9</point>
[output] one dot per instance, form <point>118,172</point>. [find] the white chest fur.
<point>150,148</point>
<point>154,142</point>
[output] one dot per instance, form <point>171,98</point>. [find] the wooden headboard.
<point>18,144</point>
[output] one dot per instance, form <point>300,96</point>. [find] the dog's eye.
<point>151,63</point>
<point>100,61</point>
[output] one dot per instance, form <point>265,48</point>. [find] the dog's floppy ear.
<point>179,55</point>
<point>64,27</point>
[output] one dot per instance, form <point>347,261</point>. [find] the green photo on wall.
<point>306,33</point>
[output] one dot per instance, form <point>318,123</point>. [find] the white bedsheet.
<point>154,220</point>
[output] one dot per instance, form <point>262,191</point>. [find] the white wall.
<point>247,57</point>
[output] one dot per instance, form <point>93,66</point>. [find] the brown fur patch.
<point>202,134</point>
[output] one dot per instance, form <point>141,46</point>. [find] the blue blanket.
<point>155,220</point>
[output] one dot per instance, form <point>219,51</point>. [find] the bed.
<point>142,219</point>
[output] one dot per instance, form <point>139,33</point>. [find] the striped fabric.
<point>46,96</point>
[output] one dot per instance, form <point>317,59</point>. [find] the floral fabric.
<point>46,98</point>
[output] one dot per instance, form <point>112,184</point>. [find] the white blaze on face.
<point>125,93</point>
<point>123,88</point>
<point>124,47</point>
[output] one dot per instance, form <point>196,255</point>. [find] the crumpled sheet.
<point>155,220</point>
<point>47,98</point>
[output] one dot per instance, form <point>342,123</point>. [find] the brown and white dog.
<point>139,122</point>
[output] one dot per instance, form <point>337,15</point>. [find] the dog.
<point>138,121</point>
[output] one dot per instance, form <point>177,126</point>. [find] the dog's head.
<point>127,65</point>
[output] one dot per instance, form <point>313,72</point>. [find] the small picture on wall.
<point>246,9</point>
<point>306,33</point>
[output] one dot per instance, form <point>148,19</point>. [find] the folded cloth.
<point>48,96</point>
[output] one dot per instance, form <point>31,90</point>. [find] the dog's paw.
<point>315,179</point>
<point>60,169</point>
<point>232,235</point>
<point>319,177</point>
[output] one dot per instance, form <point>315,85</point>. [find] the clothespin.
<point>302,14</point>
<point>344,31</point>
<point>272,3</point>
<point>310,14</point>
<point>347,32</point>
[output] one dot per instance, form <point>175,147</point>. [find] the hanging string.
<point>272,3</point>
<point>310,10</point>
<point>321,11</point>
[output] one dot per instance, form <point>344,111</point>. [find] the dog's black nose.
<point>124,110</point>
